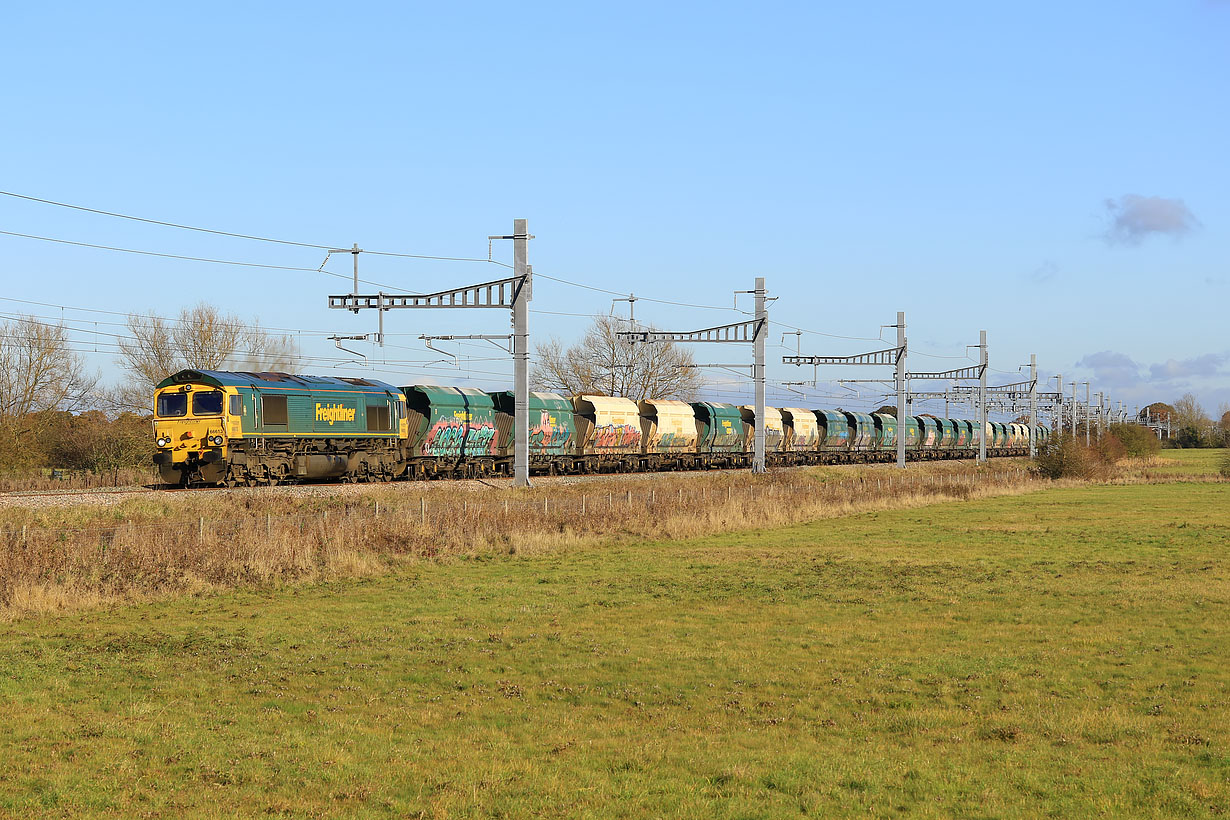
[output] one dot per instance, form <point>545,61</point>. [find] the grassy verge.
<point>1061,653</point>
<point>153,545</point>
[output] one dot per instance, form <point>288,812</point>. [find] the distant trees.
<point>604,364</point>
<point>201,338</point>
<point>1158,411</point>
<point>1191,426</point>
<point>39,374</point>
<point>1188,412</point>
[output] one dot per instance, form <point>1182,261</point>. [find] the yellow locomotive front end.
<point>192,425</point>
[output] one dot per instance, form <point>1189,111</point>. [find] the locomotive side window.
<point>236,406</point>
<point>274,409</point>
<point>207,404</point>
<point>172,404</point>
<point>378,418</point>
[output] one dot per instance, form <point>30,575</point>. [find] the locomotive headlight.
<point>216,441</point>
<point>163,441</point>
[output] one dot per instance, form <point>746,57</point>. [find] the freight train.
<point>232,428</point>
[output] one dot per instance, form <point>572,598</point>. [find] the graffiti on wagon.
<point>447,436</point>
<point>549,434</point>
<point>616,436</point>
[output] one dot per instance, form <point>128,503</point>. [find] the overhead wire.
<point>676,303</point>
<point>118,339</point>
<point>194,258</point>
<point>333,249</point>
<point>168,319</point>
<point>330,250</point>
<point>235,235</point>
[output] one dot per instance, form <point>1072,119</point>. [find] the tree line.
<point>56,412</point>
<point>1190,425</point>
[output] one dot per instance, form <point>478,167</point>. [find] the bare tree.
<point>1188,412</point>
<point>201,338</point>
<point>602,363</point>
<point>1192,426</point>
<point>39,373</point>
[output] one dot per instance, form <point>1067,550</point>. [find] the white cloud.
<point>1135,217</point>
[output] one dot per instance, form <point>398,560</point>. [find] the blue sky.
<point>1052,172</point>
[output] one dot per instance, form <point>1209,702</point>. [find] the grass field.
<point>1190,462</point>
<point>1062,653</point>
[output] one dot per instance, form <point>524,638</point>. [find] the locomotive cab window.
<point>172,404</point>
<point>378,418</point>
<point>274,409</point>
<point>236,405</point>
<point>207,403</point>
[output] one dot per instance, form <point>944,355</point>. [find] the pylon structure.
<point>512,293</point>
<point>754,333</point>
<point>894,356</point>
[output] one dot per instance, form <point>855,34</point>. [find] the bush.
<point>1111,448</point>
<point>1137,440</point>
<point>1188,438</point>
<point>1065,456</point>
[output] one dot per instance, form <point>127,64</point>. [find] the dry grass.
<point>64,558</point>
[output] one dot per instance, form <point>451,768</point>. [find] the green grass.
<point>1061,654</point>
<point>1191,462</point>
